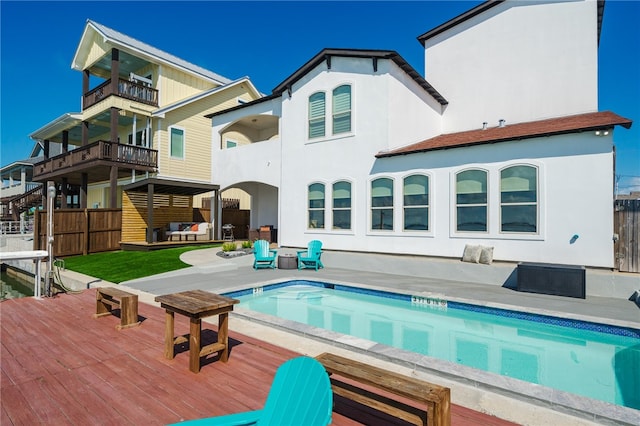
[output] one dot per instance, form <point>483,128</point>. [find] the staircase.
<point>12,207</point>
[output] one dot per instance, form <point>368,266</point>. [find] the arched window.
<point>416,203</point>
<point>382,204</point>
<point>342,205</point>
<point>471,201</point>
<point>316,206</point>
<point>342,109</point>
<point>316,115</point>
<point>519,199</point>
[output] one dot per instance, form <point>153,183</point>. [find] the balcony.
<point>96,161</point>
<point>126,89</point>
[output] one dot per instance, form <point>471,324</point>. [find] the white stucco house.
<point>500,144</point>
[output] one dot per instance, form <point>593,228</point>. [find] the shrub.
<point>246,244</point>
<point>228,247</point>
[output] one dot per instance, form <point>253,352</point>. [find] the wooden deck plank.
<point>62,366</point>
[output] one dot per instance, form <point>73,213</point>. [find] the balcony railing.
<point>126,89</point>
<point>125,155</point>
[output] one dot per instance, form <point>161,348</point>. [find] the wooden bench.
<point>435,398</point>
<point>109,297</point>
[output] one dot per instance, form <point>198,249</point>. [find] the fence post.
<point>85,244</point>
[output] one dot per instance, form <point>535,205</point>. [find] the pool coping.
<point>562,401</point>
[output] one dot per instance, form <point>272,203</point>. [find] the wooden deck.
<point>60,366</point>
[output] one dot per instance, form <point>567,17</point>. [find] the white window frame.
<point>309,208</point>
<point>493,203</point>
<point>324,116</point>
<point>487,203</point>
<point>333,113</point>
<point>429,207</point>
<point>350,208</point>
<point>528,203</point>
<point>371,208</point>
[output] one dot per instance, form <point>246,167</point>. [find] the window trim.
<point>536,203</point>
<point>487,203</point>
<point>309,209</point>
<point>333,112</point>
<point>350,208</point>
<point>324,116</point>
<point>429,206</point>
<point>371,208</point>
<point>184,142</point>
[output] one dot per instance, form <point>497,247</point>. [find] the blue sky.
<point>266,41</point>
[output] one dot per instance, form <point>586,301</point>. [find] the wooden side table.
<point>197,304</point>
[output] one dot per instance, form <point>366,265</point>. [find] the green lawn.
<point>119,266</point>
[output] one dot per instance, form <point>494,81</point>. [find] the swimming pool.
<point>594,360</point>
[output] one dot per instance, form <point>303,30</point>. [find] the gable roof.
<point>374,55</point>
<point>244,80</point>
<point>482,8</point>
<point>533,129</point>
<point>127,43</point>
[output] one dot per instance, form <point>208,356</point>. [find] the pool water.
<point>12,287</point>
<point>593,360</point>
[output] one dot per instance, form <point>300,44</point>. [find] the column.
<point>83,190</point>
<point>115,70</point>
<point>150,194</point>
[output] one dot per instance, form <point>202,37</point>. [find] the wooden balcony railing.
<point>123,155</point>
<point>126,89</point>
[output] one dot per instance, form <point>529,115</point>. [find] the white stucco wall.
<point>518,61</point>
<point>575,193</point>
<point>378,123</point>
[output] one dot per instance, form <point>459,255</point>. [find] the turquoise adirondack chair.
<point>264,257</point>
<point>310,258</point>
<point>300,395</point>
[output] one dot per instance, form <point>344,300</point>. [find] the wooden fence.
<point>79,231</point>
<point>627,227</point>
<point>239,219</point>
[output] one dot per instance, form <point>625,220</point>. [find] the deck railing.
<point>126,89</point>
<point>100,150</point>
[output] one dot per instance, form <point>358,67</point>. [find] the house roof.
<point>170,186</point>
<point>130,44</point>
<point>161,111</point>
<point>533,129</point>
<point>482,8</point>
<point>374,55</point>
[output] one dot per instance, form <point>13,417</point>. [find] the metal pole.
<point>51,195</point>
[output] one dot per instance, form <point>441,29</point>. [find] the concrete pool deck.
<point>488,285</point>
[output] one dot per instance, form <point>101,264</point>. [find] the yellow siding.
<point>95,195</point>
<point>239,138</point>
<point>121,103</point>
<point>175,85</point>
<point>238,194</point>
<point>166,208</point>
<point>97,51</point>
<point>197,129</point>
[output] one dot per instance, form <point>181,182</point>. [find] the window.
<point>231,144</point>
<point>342,205</point>
<point>139,138</point>
<point>176,143</point>
<point>316,205</point>
<point>316,115</point>
<point>382,204</point>
<point>471,201</point>
<point>519,199</point>
<point>416,203</point>
<point>342,109</point>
